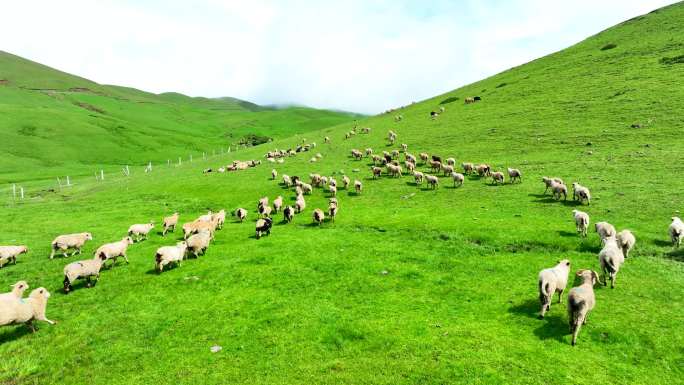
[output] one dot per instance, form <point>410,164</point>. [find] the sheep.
<point>404,147</point>
<point>366,130</point>
<point>552,280</point>
<point>345,181</point>
<point>326,139</point>
<point>83,269</point>
<point>169,223</point>
<point>220,218</point>
<point>288,213</point>
<point>332,210</point>
<point>376,159</point>
<point>418,177</point>
<point>432,181</point>
<point>170,254</point>
<point>333,190</point>
<point>313,160</point>
<point>318,216</point>
<point>394,170</point>
<point>140,231</point>
<point>306,188</point>
<point>581,222</point>
<point>424,157</point>
<point>442,109</point>
<point>274,174</point>
<point>263,226</point>
<point>324,181</point>
<point>70,241</point>
<point>410,158</point>
<point>497,177</point>
<point>548,182</point>
<point>198,243</point>
<point>298,190</point>
<point>358,186</point>
<point>369,152</point>
<point>676,231</point>
<point>469,100</point>
<point>410,166</point>
<point>27,310</point>
<point>435,165</point>
<point>356,154</point>
<point>605,230</point>
<point>468,168</point>
<point>17,292</point>
<point>263,201</point>
<point>319,155</point>
<point>483,170</point>
<point>332,182</point>
<point>286,180</point>
<point>265,211</point>
<point>197,226</point>
<point>451,161</point>
<point>514,174</point>
<point>580,193</point>
<point>458,178</point>
<point>626,241</point>
<point>300,204</point>
<point>241,214</point>
<point>581,301</point>
<point>395,154</point>
<point>277,204</point>
<point>9,254</point>
<point>447,169</point>
<point>559,189</point>
<point>611,258</point>
<point>114,250</point>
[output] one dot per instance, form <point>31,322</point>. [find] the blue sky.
<point>363,56</point>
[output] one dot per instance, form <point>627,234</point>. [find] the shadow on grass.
<point>529,308</point>
<point>567,234</point>
<point>677,255</point>
<point>662,243</point>
<point>353,193</point>
<point>18,332</point>
<point>589,247</point>
<point>553,326</point>
<point>414,184</point>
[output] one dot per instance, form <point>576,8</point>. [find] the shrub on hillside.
<point>254,139</point>
<point>672,60</point>
<point>450,99</point>
<point>608,46</point>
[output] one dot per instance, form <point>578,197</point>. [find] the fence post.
<point>68,181</point>
<point>59,182</point>
<point>190,158</point>
<point>22,192</point>
<point>179,161</point>
<point>101,174</point>
<point>168,162</point>
<point>204,155</point>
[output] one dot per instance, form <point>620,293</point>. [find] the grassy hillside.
<point>409,285</point>
<point>79,126</point>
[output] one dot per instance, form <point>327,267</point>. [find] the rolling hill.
<point>75,123</point>
<point>408,285</point>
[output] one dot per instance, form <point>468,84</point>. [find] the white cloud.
<point>353,55</point>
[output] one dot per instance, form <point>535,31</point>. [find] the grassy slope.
<point>81,126</point>
<point>459,302</point>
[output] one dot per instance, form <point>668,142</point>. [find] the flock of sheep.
<point>198,234</point>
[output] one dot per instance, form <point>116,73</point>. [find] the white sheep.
<point>394,170</point>
<point>626,241</point>
<point>458,178</point>
<point>451,162</point>
<point>286,180</point>
<point>358,186</point>
<point>559,189</point>
<point>169,223</point>
<point>241,214</point>
<point>581,301</point>
<point>288,213</point>
<point>220,218</point>
<point>552,280</point>
<point>605,230</point>
<point>277,204</point>
<point>332,210</point>
<point>114,250</point>
<point>27,310</point>
<point>514,174</point>
<point>198,243</point>
<point>376,171</point>
<point>140,231</point>
<point>345,181</point>
<point>549,181</point>
<point>17,292</point>
<point>611,258</point>
<point>83,269</point>
<point>333,190</point>
<point>497,177</point>
<point>404,147</point>
<point>206,217</point>
<point>676,231</point>
<point>468,168</point>
<point>410,166</point>
<point>263,226</point>
<point>418,177</point>
<point>432,181</point>
<point>447,169</point>
<point>318,216</point>
<point>300,203</point>
<point>424,156</point>
<point>169,254</point>
<point>274,174</point>
<point>306,188</point>
<point>581,222</point>
<point>10,253</point>
<point>580,192</point>
<point>70,241</point>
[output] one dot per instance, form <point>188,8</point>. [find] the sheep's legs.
<point>125,258</point>
<point>43,318</point>
<point>560,296</point>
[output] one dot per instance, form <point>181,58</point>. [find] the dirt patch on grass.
<point>90,107</point>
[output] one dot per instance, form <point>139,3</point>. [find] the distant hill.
<point>59,123</point>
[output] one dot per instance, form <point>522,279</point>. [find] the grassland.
<point>408,285</point>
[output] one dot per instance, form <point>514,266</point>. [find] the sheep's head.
<point>128,240</point>
<point>564,262</point>
<point>88,236</point>
<point>23,249</point>
<point>20,287</point>
<point>40,292</point>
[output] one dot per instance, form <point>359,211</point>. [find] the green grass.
<point>58,123</point>
<point>458,302</point>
